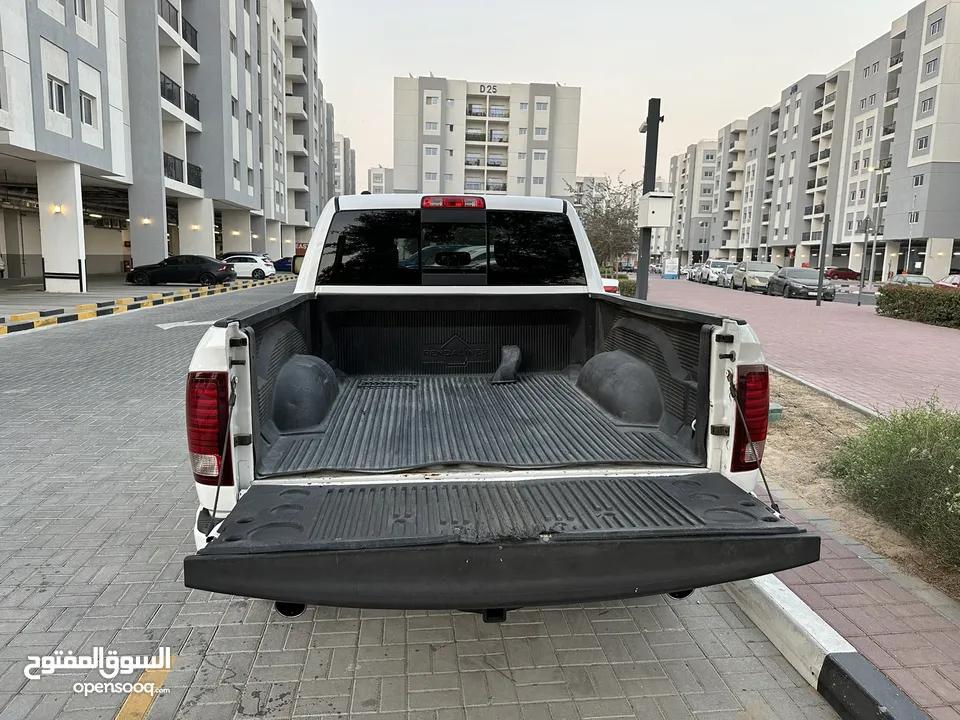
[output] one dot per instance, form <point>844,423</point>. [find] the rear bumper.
<point>507,575</point>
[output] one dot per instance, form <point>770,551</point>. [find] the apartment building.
<point>871,144</point>
<point>728,187</point>
<point>380,180</point>
<point>691,180</point>
<point>127,136</point>
<point>344,166</point>
<point>456,136</point>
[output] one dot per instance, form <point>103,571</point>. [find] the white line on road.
<point>186,323</point>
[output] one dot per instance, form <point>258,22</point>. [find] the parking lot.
<point>97,517</point>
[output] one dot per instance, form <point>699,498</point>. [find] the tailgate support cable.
<point>223,454</point>
<point>746,430</point>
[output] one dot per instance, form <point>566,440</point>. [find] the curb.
<point>853,686</point>
<point>48,318</point>
<point>862,409</point>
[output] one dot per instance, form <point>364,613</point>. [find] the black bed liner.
<point>390,423</point>
<point>494,544</point>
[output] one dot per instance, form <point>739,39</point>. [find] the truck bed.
<point>381,423</point>
<point>341,385</point>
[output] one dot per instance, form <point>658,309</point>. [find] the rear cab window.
<point>450,246</point>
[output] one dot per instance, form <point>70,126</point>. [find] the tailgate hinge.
<point>239,440</point>
<point>728,339</point>
<point>238,342</point>
<point>723,430</point>
<point>237,362</point>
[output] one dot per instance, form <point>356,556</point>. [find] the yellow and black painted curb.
<point>47,318</point>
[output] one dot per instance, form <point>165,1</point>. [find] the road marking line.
<point>24,316</point>
<point>137,705</point>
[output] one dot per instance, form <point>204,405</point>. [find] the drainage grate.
<point>386,384</point>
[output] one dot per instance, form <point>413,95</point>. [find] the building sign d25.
<point>488,89</point>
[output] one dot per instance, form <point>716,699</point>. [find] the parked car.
<point>726,279</point>
<point>284,264</point>
<point>306,496</point>
<point>693,272</point>
<point>951,282</point>
<point>192,269</point>
<point>753,275</point>
<point>712,269</point>
<point>800,283</point>
<point>841,273</point>
<point>257,267</point>
<point>921,280</point>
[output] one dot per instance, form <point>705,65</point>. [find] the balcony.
<point>816,131</point>
<point>194,175</point>
<point>731,225</point>
<point>191,104</point>
<point>172,167</point>
<point>817,235</point>
<point>189,33</point>
<point>819,209</point>
<point>475,186</point>
<point>829,99</point>
<point>496,163</point>
<point>476,112</point>
<point>293,68</point>
<point>814,157</point>
<point>808,211</point>
<point>771,173</point>
<point>879,198</point>
<point>170,90</point>
<point>893,94</point>
<point>889,129</point>
<point>498,138</point>
<point>811,184</point>
<point>496,187</point>
<point>473,162</point>
<point>476,136</point>
<point>499,113</point>
<point>169,13</point>
<point>293,31</point>
<point>774,127</point>
<point>822,181</point>
<point>827,126</point>
<point>805,237</point>
<point>768,196</point>
<point>765,218</point>
<point>772,150</point>
<point>732,205</point>
<point>296,181</point>
<point>818,104</point>
<point>295,144</point>
<point>296,216</point>
<point>896,60</point>
<point>886,163</point>
<point>294,106</point>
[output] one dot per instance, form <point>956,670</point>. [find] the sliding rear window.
<point>450,247</point>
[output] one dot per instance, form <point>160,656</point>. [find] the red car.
<point>839,273</point>
<point>951,282</point>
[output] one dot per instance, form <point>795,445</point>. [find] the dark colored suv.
<point>186,269</point>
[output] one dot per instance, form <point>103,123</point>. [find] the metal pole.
<point>906,263</point>
<point>863,257</point>
<point>823,250</point>
<point>649,185</point>
<point>876,228</point>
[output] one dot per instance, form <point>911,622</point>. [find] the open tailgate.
<point>453,545</point>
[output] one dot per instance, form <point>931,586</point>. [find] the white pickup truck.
<point>449,412</point>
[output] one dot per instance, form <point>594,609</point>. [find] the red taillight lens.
<point>753,394</point>
<point>615,289</point>
<point>440,201</point>
<point>224,267</point>
<point>207,416</point>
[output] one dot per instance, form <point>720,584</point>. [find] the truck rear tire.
<point>289,610</point>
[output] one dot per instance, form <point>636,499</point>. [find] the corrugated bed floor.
<point>384,423</point>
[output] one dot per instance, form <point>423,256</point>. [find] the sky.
<point>710,61</point>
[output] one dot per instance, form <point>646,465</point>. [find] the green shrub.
<point>622,276</point>
<point>905,469</point>
<point>628,288</point>
<point>934,306</point>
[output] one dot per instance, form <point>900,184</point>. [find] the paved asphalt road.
<point>96,518</point>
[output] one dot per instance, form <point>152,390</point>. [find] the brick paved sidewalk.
<point>907,628</point>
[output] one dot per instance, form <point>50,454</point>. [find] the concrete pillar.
<point>235,231</point>
<point>196,227</point>
<point>777,255</point>
<point>936,263</point>
<point>801,256</point>
<point>273,245</point>
<point>258,233</point>
<point>288,234</point>
<point>61,226</point>
<point>891,259</point>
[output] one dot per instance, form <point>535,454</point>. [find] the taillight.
<point>753,395</point>
<point>444,201</point>
<point>224,267</point>
<point>207,417</point>
<point>615,289</point>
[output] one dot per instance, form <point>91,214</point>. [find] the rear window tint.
<point>396,247</point>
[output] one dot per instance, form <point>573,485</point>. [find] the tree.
<point>608,211</point>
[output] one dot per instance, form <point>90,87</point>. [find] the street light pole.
<point>876,224</point>
<point>651,126</point>
<point>913,209</point>
<point>823,251</point>
<point>863,257</point>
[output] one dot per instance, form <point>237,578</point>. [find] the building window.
<point>923,142</point>
<point>539,156</point>
<point>234,107</point>
<point>524,106</point>
<point>936,26</point>
<point>914,217</point>
<point>523,131</point>
<point>449,153</point>
<point>863,193</point>
<point>236,170</point>
<point>540,132</point>
<point>87,105</point>
<point>450,102</point>
<point>431,126</point>
<point>521,180</point>
<point>247,62</point>
<point>863,104</point>
<point>250,177</point>
<point>57,95</point>
<point>926,105</point>
<point>859,135</point>
<point>853,196</point>
<point>249,120</point>
<point>433,100</point>
<point>378,178</point>
<point>709,157</point>
<point>541,106</point>
<point>80,7</point>
<point>708,173</point>
<point>873,100</point>
<point>866,72</point>
<point>431,150</point>
<point>869,131</point>
<point>430,176</point>
<point>931,67</point>
<point>450,128</point>
<point>521,156</point>
<point>539,181</point>
<point>917,180</point>
<point>856,166</point>
<point>233,43</point>
<point>448,177</point>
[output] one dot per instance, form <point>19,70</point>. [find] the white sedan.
<point>252,266</point>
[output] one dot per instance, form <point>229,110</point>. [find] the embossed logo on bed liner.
<point>456,351</point>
